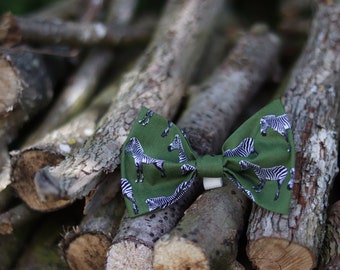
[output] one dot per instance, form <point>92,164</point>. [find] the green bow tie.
<point>158,165</point>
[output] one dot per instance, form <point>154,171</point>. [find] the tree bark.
<point>25,89</point>
<point>312,103</point>
<point>81,34</point>
<point>61,142</point>
<point>330,253</point>
<point>206,239</point>
<point>77,93</point>
<point>86,246</point>
<point>157,81</point>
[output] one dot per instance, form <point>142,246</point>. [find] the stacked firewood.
<point>73,79</point>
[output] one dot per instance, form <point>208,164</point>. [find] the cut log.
<point>52,149</point>
<point>205,239</point>
<point>54,146</point>
<point>312,103</point>
<point>157,81</point>
<point>86,246</point>
<point>330,253</point>
<point>25,89</point>
<point>16,217</point>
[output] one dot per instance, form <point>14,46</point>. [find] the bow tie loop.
<point>210,166</point>
<point>158,166</point>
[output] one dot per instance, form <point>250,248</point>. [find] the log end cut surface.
<point>136,256</point>
<point>178,253</point>
<point>273,253</point>
<point>87,252</point>
<point>24,167</point>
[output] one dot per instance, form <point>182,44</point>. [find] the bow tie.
<point>158,165</point>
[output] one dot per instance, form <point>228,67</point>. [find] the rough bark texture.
<point>330,253</point>
<point>76,94</point>
<point>33,90</point>
<point>52,149</point>
<point>61,142</point>
<point>312,103</point>
<point>157,81</point>
<point>86,246</point>
<point>196,242</point>
<point>25,89</point>
<point>200,241</point>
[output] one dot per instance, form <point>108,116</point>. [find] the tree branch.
<point>312,103</point>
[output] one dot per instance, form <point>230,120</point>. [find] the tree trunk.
<point>157,81</point>
<point>205,239</point>
<point>312,103</point>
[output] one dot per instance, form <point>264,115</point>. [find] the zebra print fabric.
<point>158,166</point>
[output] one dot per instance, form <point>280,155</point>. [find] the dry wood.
<point>57,31</point>
<point>330,253</point>
<point>86,246</point>
<point>76,94</point>
<point>157,81</point>
<point>312,103</point>
<point>25,89</point>
<point>16,217</point>
<point>53,148</point>
<point>205,239</point>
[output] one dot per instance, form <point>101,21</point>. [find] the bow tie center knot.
<point>210,166</point>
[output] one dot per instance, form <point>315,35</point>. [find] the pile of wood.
<point>73,79</point>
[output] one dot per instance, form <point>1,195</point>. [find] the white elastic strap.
<point>211,183</point>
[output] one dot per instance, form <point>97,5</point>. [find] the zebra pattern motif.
<point>279,124</point>
<point>187,168</point>
<point>240,187</point>
<point>276,173</point>
<point>146,119</point>
<point>244,149</point>
<point>167,129</point>
<point>164,201</point>
<point>177,144</point>
<point>128,193</point>
<point>135,148</point>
